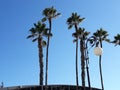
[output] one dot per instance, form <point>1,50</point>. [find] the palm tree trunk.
<point>76,28</point>
<point>46,75</point>
<point>82,63</point>
<point>47,52</point>
<point>77,64</point>
<point>100,67</point>
<point>40,60</point>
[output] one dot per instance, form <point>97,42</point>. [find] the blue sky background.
<point>19,56</point>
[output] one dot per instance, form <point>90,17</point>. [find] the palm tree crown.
<point>38,31</point>
<point>74,20</point>
<point>116,40</point>
<point>82,33</point>
<point>100,35</point>
<point>50,13</point>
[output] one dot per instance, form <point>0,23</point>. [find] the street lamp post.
<point>98,51</point>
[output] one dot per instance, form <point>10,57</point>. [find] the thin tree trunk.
<point>100,67</point>
<point>77,64</point>
<point>40,60</point>
<point>47,52</point>
<point>46,75</point>
<point>82,63</point>
<point>76,28</point>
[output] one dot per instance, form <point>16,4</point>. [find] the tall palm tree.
<point>83,49</point>
<point>82,34</point>
<point>37,33</point>
<point>74,20</point>
<point>101,35</point>
<point>49,14</point>
<point>116,40</point>
<point>76,57</point>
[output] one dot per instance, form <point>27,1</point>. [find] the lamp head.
<point>98,51</point>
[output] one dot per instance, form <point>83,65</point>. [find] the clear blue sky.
<point>19,56</point>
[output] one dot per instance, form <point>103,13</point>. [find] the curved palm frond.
<point>30,36</point>
<point>75,35</point>
<point>35,39</point>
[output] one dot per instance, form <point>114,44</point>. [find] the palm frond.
<point>75,40</point>
<point>58,14</point>
<point>34,39</point>
<point>70,26</point>
<point>107,40</point>
<point>30,36</point>
<point>32,30</point>
<point>75,34</point>
<point>44,19</point>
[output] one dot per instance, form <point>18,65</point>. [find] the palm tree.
<point>84,56</point>
<point>49,14</point>
<point>37,32</point>
<point>82,34</point>
<point>116,40</point>
<point>100,35</point>
<point>76,57</point>
<point>74,20</point>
